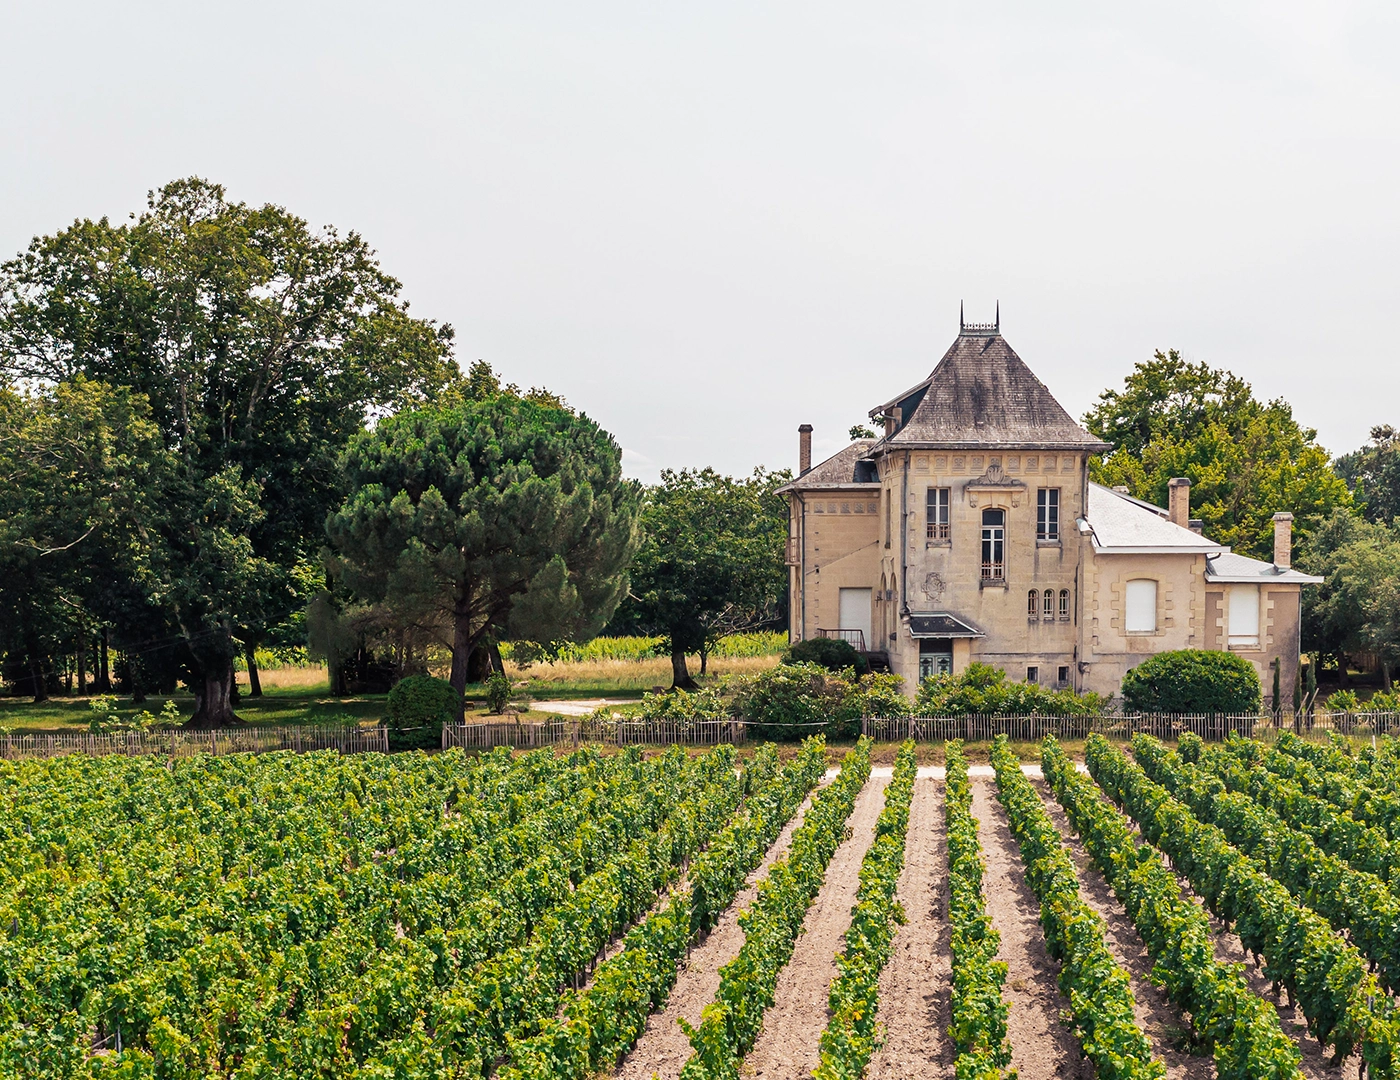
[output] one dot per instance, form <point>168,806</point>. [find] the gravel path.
<point>915,985</point>
<point>1161,1021</point>
<point>792,1026</point>
<point>663,1047</point>
<point>1041,1047</point>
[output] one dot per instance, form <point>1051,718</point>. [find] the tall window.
<point>938,513</point>
<point>1140,607</point>
<point>1243,616</point>
<point>1047,514</point>
<point>1064,604</point>
<point>1049,604</point>
<point>993,545</point>
<point>1032,604</point>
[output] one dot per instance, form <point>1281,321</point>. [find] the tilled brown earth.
<point>915,985</point>
<point>663,1047</point>
<point>792,1026</point>
<point>1042,1048</point>
<point>1161,1021</point>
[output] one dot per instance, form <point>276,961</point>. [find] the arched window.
<point>1049,604</point>
<point>1032,604</point>
<point>1064,603</point>
<point>994,544</point>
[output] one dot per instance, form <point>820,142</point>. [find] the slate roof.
<point>1119,522</point>
<point>982,394</point>
<point>837,471</point>
<point>941,624</point>
<point>1233,568</point>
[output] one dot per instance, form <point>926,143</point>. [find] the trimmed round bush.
<point>1193,681</point>
<point>418,706</point>
<point>831,653</point>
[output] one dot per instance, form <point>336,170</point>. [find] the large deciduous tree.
<point>82,474</point>
<point>262,346</point>
<point>503,516</point>
<point>1373,474</point>
<point>1246,459</point>
<point>1357,607</point>
<point>712,561</point>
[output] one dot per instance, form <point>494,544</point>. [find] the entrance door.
<point>855,615</point>
<point>935,657</point>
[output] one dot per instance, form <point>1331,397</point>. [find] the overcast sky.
<point>704,224</point>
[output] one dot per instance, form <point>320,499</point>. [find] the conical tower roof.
<point>982,394</point>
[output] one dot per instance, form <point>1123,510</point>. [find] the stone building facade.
<point>969,530</point>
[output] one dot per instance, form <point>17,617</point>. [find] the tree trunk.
<point>1385,676</point>
<point>463,643</point>
<point>479,665</point>
<point>104,680</point>
<point>213,700</point>
<point>1343,679</point>
<point>251,659</point>
<point>36,673</point>
<point>704,659</point>
<point>233,695</point>
<point>680,674</point>
<point>83,644</point>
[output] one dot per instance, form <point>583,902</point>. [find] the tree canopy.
<point>1373,474</point>
<point>504,516</point>
<point>260,346</point>
<point>711,562</point>
<point>1246,459</point>
<point>1357,607</point>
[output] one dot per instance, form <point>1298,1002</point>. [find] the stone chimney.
<point>1283,540</point>
<point>804,449</point>
<point>1198,526</point>
<point>892,419</point>
<point>1179,501</point>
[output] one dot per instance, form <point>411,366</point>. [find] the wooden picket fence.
<point>1317,727</point>
<point>298,738</point>
<point>485,735</point>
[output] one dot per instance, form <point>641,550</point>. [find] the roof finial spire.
<point>998,314</point>
<point>961,321</point>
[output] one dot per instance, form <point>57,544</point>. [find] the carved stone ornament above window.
<point>994,481</point>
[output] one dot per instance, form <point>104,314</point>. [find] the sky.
<point>705,224</point>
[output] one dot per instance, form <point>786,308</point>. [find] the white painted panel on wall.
<point>855,613</point>
<point>1140,616</point>
<point>1243,617</point>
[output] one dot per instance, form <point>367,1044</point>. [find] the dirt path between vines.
<point>916,983</point>
<point>1161,1021</point>
<point>1042,1048</point>
<point>663,1047</point>
<point>792,1026</point>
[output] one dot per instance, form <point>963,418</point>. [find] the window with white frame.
<point>1140,606</point>
<point>1049,605</point>
<point>1064,604</point>
<point>938,513</point>
<point>1243,617</point>
<point>993,544</point>
<point>1047,514</point>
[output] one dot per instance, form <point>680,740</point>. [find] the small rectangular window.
<point>1243,616</point>
<point>1047,514</point>
<point>1033,674</point>
<point>1063,676</point>
<point>938,513</point>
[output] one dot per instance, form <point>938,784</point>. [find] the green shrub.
<point>831,653</point>
<point>1193,681</point>
<point>498,690</point>
<point>795,700</point>
<point>417,708</point>
<point>1342,701</point>
<point>983,689</point>
<point>878,694</point>
<point>680,706</point>
<point>1384,701</point>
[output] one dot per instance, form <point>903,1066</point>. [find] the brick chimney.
<point>1179,501</point>
<point>804,449</point>
<point>1283,540</point>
